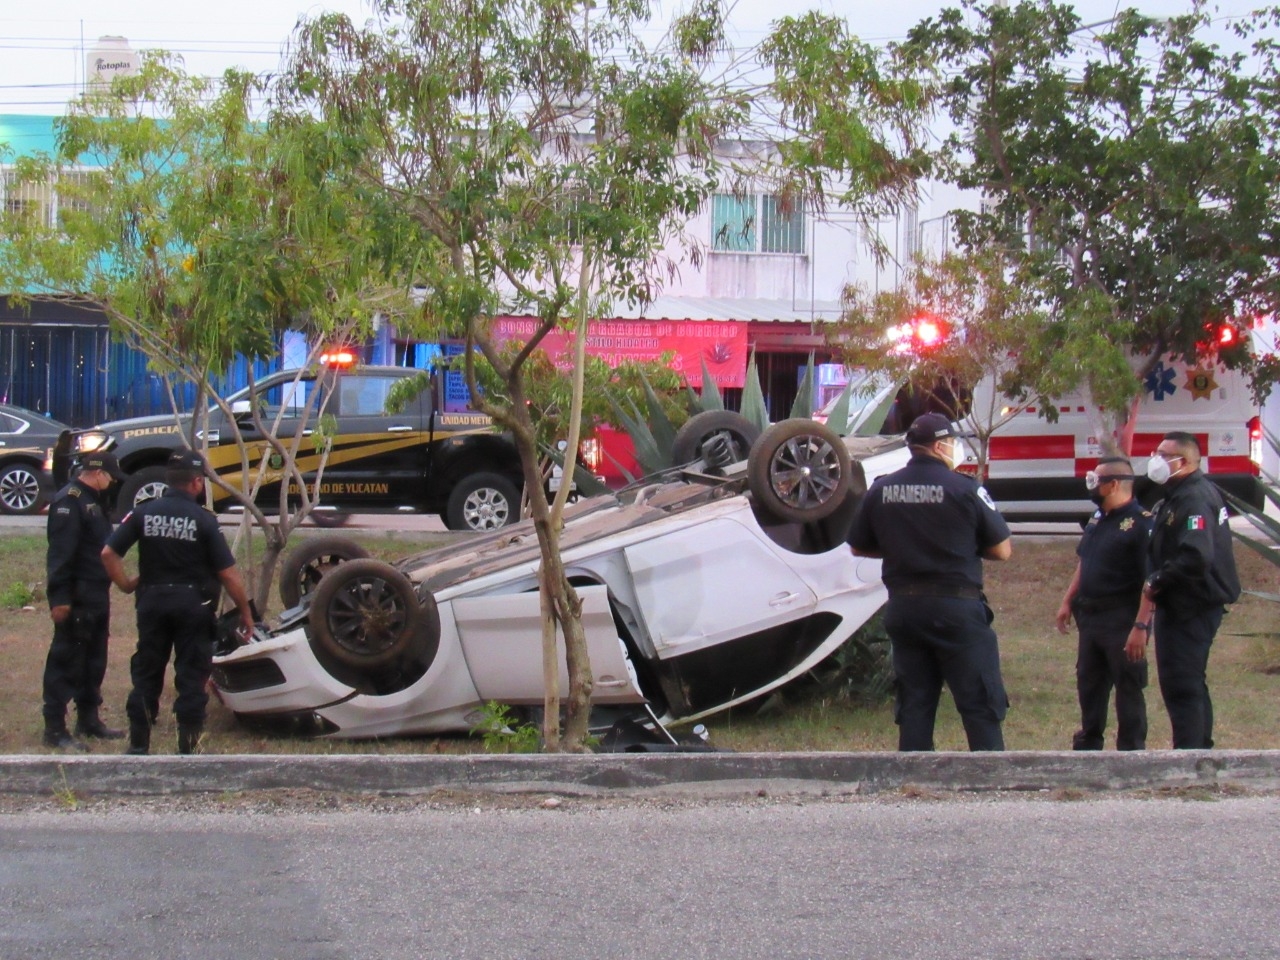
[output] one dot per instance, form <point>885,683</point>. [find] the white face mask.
<point>957,454</point>
<point>1158,469</point>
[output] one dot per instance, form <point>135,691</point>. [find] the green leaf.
<point>753,406</point>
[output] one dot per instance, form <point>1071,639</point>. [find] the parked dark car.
<point>427,458</point>
<point>26,439</point>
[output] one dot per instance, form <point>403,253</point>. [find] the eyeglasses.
<point>1093,480</point>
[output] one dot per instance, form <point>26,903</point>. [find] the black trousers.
<point>172,619</point>
<point>1101,666</point>
<point>77,662</point>
<point>938,640</point>
<point>1182,659</point>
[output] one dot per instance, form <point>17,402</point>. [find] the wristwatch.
<point>1139,625</point>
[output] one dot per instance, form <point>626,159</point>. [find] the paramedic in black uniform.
<point>79,605</point>
<point>1193,577</point>
<point>1111,614</point>
<point>182,557</point>
<point>933,527</point>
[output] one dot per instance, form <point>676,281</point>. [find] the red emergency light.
<point>338,358</point>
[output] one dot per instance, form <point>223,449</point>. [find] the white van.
<point>1036,467</point>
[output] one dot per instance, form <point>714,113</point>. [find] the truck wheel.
<point>799,471</point>
<point>306,564</point>
<point>482,502</point>
<point>137,488</point>
<point>20,490</point>
<point>366,615</point>
<point>730,436</point>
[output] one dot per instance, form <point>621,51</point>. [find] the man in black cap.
<point>182,558</point>
<point>933,527</point>
<point>1114,619</point>
<point>1193,577</point>
<point>79,603</point>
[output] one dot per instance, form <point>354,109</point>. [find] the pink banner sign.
<point>720,344</point>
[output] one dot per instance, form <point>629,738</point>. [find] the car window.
<point>363,396</point>
<point>10,424</point>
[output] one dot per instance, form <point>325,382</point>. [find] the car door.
<point>501,639</point>
<point>705,584</point>
<point>378,458</point>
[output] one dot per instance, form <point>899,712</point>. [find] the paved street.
<point>982,879</point>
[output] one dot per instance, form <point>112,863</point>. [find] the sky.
<point>42,56</point>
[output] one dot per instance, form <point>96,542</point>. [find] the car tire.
<point>799,471</point>
<point>137,488</point>
<point>739,432</point>
<point>482,502</point>
<point>367,615</point>
<point>21,491</point>
<point>306,564</point>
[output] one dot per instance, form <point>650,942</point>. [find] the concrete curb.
<point>704,774</point>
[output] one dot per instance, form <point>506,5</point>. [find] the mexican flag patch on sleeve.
<point>1195,522</point>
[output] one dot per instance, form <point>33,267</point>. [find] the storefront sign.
<point>720,344</point>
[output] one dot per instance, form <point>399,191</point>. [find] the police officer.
<point>182,557</point>
<point>1193,577</point>
<point>79,604</point>
<point>1113,617</point>
<point>933,527</point>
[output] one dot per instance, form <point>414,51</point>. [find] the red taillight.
<point>1255,428</point>
<point>589,454</point>
<point>1228,336</point>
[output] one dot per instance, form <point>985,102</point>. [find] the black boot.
<point>139,739</point>
<point>189,739</point>
<point>89,724</point>
<point>56,736</point>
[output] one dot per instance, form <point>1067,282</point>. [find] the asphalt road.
<point>984,879</point>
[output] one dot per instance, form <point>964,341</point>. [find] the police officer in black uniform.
<point>182,557</point>
<point>933,527</point>
<point>1193,577</point>
<point>79,604</point>
<point>1114,619</point>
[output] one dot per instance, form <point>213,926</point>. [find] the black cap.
<point>928,428</point>
<point>105,462</point>
<point>186,460</point>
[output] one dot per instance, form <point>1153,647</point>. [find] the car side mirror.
<point>241,409</point>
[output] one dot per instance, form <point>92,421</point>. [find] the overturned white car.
<point>702,588</point>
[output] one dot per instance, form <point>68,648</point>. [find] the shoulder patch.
<point>74,492</point>
<point>1222,516</point>
<point>986,498</point>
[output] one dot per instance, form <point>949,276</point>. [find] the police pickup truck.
<point>426,458</point>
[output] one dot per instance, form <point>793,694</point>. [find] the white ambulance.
<point>1036,467</point>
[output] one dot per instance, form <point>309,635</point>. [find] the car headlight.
<point>91,440</point>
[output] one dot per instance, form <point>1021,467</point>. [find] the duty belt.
<point>955,591</point>
<point>1117,601</point>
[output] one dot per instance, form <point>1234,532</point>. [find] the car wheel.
<point>306,564</point>
<point>20,489</point>
<point>482,502</point>
<point>366,615</point>
<point>718,437</point>
<point>137,488</point>
<point>799,471</point>
<point>329,519</point>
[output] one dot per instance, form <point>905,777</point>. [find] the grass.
<point>1038,663</point>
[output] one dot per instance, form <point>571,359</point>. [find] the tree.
<point>1140,186</point>
<point>954,323</point>
<point>202,235</point>
<point>532,158</point>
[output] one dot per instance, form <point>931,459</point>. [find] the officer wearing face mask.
<point>1193,577</point>
<point>933,528</point>
<point>1114,619</point>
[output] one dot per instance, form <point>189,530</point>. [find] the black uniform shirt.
<point>1192,560</point>
<point>77,529</point>
<point>929,523</point>
<point>178,542</point>
<point>1113,553</point>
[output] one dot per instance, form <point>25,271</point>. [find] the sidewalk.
<point>688,774</point>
